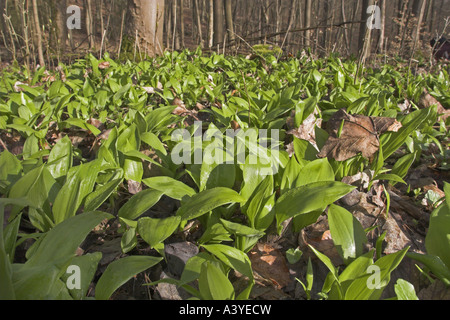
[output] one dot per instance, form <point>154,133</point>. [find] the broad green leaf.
<point>327,262</point>
<point>392,141</point>
<point>129,240</point>
<point>101,194</point>
<point>383,267</point>
<point>87,265</point>
<point>60,158</point>
<point>312,197</point>
<point>206,201</point>
<point>232,257</point>
<point>347,233</point>
<point>155,231</point>
<point>119,272</point>
<point>6,289</point>
<point>435,264</point>
<point>401,166</point>
<point>405,290</point>
<point>10,168</point>
<point>57,245</point>
<point>35,283</point>
<point>214,284</point>
<point>139,204</point>
<point>437,240</point>
<point>78,186</point>
<point>316,171</point>
<point>153,141</point>
<point>170,187</point>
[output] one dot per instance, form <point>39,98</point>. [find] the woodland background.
<point>35,31</point>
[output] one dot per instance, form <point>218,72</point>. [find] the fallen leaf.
<point>271,264</point>
<point>104,65</point>
<point>351,135</point>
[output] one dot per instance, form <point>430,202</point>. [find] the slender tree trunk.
<point>229,20</point>
<point>211,24</point>
<point>38,33</point>
<point>61,24</point>
<point>2,20</point>
<point>308,10</point>
<point>381,39</point>
<point>219,32</point>
<point>90,24</point>
<point>197,17</point>
<point>182,26</point>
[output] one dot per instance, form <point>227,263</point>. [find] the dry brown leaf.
<point>271,264</point>
<point>359,134</point>
<point>104,65</point>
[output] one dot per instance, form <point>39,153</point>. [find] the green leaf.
<point>437,240</point>
<point>129,240</point>
<point>155,231</point>
<point>360,290</point>
<point>139,204</point>
<point>214,284</point>
<point>347,233</point>
<point>101,194</point>
<point>170,187</point>
<point>57,245</point>
<point>435,264</point>
<point>6,289</point>
<point>327,262</point>
<point>317,171</point>
<point>153,141</point>
<point>77,187</point>
<point>392,141</point>
<point>60,158</point>
<point>206,201</point>
<point>233,258</point>
<point>119,272</point>
<point>88,267</point>
<point>294,255</point>
<point>405,290</point>
<point>312,197</point>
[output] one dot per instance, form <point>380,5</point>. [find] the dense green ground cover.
<point>90,146</point>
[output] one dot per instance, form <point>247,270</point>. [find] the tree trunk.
<point>229,20</point>
<point>198,20</point>
<point>308,10</point>
<point>38,33</point>
<point>147,18</point>
<point>2,20</point>
<point>89,23</point>
<point>381,39</point>
<point>182,31</point>
<point>61,23</point>
<point>219,32</point>
<point>211,24</point>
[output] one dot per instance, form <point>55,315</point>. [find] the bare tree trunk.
<point>219,32</point>
<point>90,24</point>
<point>61,7</point>
<point>211,24</point>
<point>308,10</point>
<point>229,20</point>
<point>381,39</point>
<point>197,20</point>
<point>2,20</point>
<point>38,33</point>
<point>182,31</point>
<point>344,19</point>
<point>147,19</point>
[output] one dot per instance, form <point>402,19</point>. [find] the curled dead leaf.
<point>352,135</point>
<point>271,264</point>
